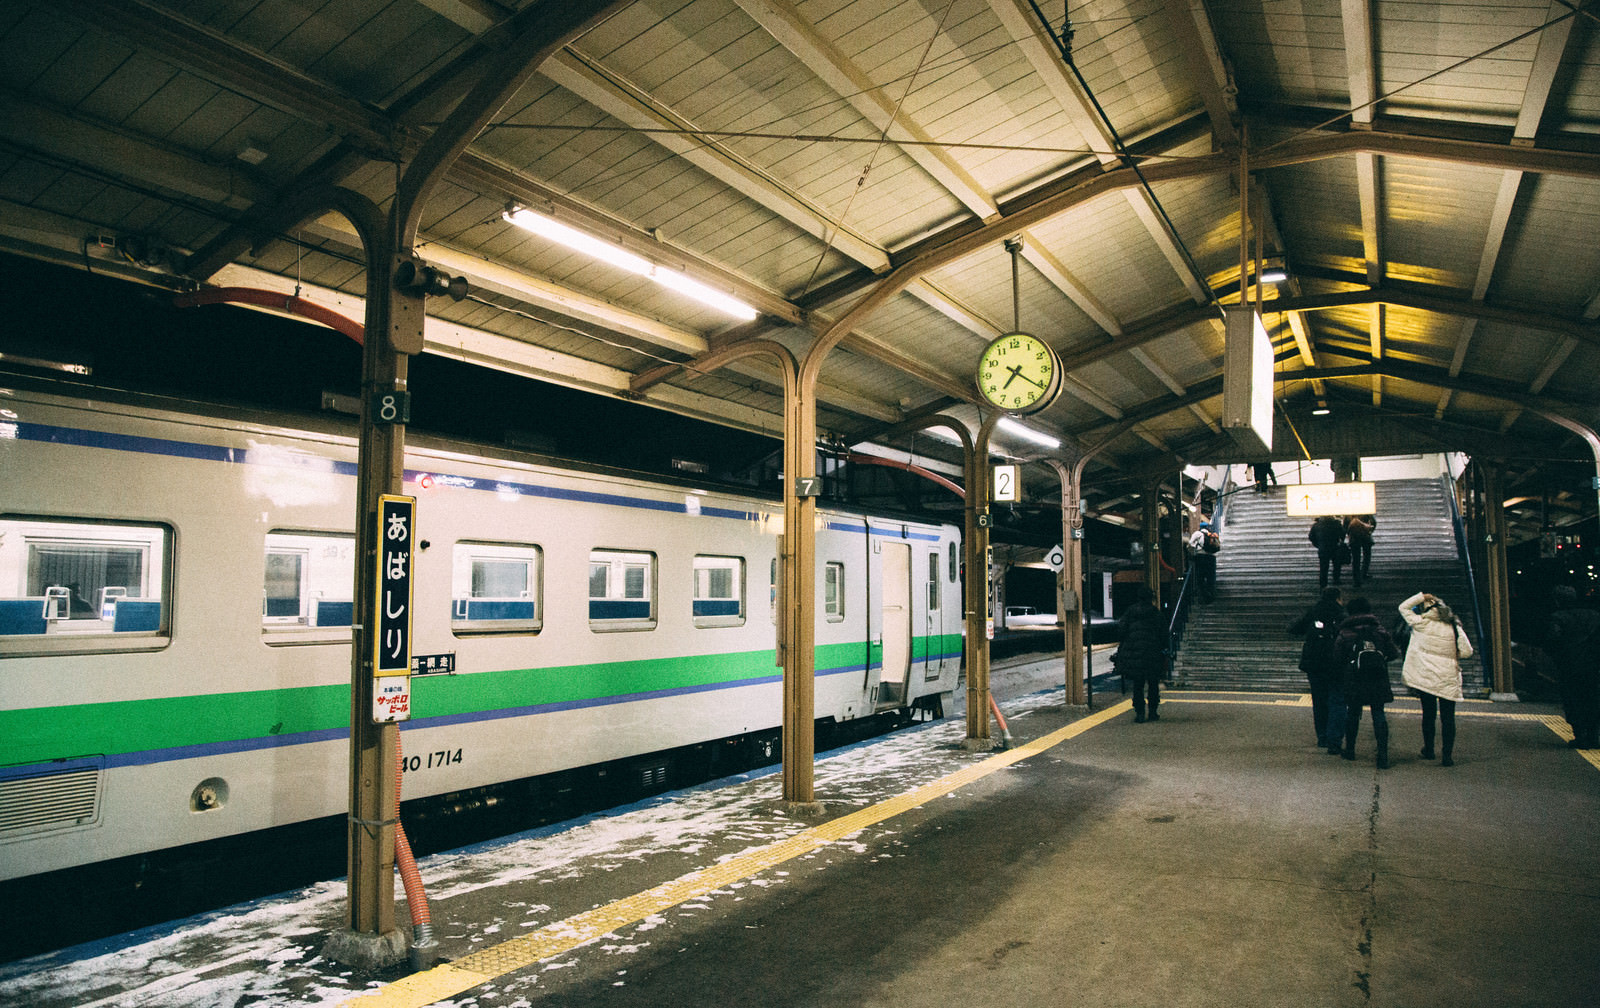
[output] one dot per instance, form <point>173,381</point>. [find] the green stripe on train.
<point>46,733</point>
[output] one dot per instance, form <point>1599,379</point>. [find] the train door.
<point>894,624</point>
<point>933,621</point>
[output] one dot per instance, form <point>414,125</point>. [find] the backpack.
<point>1368,662</point>
<point>1212,542</point>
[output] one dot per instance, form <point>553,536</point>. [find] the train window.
<point>955,562</point>
<point>833,592</point>
<point>718,591</point>
<point>308,585</point>
<point>622,590</point>
<point>65,582</point>
<point>496,588</point>
<point>933,582</point>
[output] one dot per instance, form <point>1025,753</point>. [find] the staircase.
<point>1267,577</point>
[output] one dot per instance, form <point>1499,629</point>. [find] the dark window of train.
<point>622,590</point>
<point>307,586</point>
<point>496,588</point>
<point>718,591</point>
<point>833,592</point>
<point>955,562</point>
<point>933,582</point>
<point>65,579</point>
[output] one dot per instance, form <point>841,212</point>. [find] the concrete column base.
<point>364,950</point>
<point>1504,698</point>
<point>979,744</point>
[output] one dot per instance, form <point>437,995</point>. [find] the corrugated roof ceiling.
<point>1429,172</point>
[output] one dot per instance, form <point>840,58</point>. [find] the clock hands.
<point>1016,372</point>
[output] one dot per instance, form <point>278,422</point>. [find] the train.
<point>176,581</point>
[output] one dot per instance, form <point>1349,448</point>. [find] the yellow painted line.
<point>1564,732</point>
<point>480,967</point>
<point>1305,701</point>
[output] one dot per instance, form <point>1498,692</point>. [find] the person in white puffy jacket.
<point>1433,667</point>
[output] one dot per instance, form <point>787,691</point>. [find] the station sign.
<point>391,623</point>
<point>1310,500</point>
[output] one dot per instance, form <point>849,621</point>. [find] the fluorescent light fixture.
<point>684,284</point>
<point>1010,426</point>
<point>572,238</point>
<point>1274,274</point>
<point>1321,410</point>
<point>597,248</point>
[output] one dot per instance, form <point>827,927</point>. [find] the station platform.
<point>1215,857</point>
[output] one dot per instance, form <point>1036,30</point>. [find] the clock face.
<point>1019,373</point>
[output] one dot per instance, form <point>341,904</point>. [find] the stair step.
<point>1267,576</point>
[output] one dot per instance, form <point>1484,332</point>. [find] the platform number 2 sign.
<point>1005,483</point>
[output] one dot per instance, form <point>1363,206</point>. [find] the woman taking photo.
<point>1433,666</point>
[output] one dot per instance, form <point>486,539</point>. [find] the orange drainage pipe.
<point>1005,733</point>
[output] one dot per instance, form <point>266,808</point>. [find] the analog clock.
<point>1019,373</point>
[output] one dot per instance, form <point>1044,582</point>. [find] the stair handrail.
<point>1180,607</point>
<point>1447,483</point>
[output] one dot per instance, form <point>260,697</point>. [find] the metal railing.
<point>1187,592</point>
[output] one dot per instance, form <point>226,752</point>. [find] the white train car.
<point>175,610</point>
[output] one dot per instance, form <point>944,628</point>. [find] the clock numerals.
<point>1017,372</point>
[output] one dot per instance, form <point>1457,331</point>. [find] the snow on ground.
<point>252,953</point>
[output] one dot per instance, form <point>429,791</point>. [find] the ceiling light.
<point>597,248</point>
<point>684,284</point>
<point>1274,274</point>
<point>1010,426</point>
<point>1321,409</point>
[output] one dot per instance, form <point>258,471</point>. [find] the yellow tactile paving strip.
<point>479,968</point>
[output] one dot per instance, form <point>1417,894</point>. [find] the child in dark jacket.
<point>1366,681</point>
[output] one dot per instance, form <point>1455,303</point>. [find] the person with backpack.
<point>1327,535</point>
<point>1363,650</point>
<point>1319,626</point>
<point>1572,637</point>
<point>1204,545</point>
<point>1432,669</point>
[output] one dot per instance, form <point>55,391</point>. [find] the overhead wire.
<point>1063,43</point>
<point>1458,64</point>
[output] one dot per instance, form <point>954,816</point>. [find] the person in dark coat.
<point>1572,637</point>
<point>1327,535</point>
<point>1262,471</point>
<point>1141,656</point>
<point>1364,688</point>
<point>1319,626</point>
<point>1358,530</point>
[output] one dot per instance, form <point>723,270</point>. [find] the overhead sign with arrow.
<point>1308,500</point>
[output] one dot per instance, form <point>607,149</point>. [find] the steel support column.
<point>1499,584</point>
<point>1071,606</point>
<point>1151,533</point>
